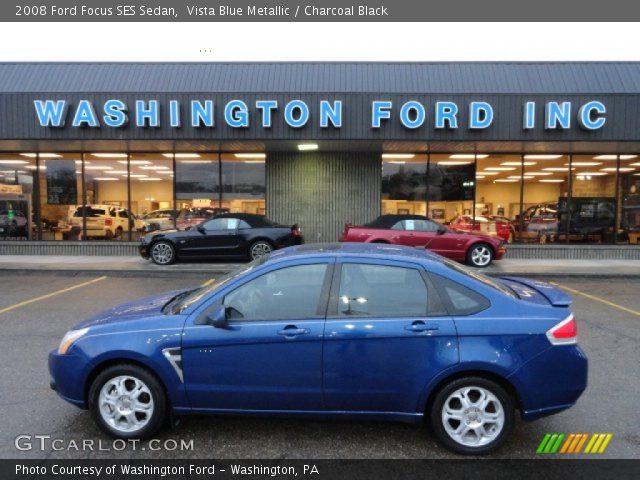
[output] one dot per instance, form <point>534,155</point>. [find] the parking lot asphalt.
<point>37,309</point>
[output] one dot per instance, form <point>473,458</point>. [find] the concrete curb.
<point>135,267</point>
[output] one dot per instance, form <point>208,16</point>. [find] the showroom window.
<point>107,198</point>
<point>60,196</point>
<point>243,182</point>
<point>197,187</point>
<point>151,192</point>
<point>497,196</point>
<point>628,194</point>
<point>404,183</point>
<point>17,174</point>
<point>450,186</point>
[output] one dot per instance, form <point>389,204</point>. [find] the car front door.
<point>269,355</point>
<point>386,337</point>
<point>218,236</point>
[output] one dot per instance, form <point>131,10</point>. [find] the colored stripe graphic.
<point>598,443</point>
<point>550,443</point>
<point>582,441</point>
<point>572,443</point>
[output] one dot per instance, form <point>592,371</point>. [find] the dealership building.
<point>550,150</point>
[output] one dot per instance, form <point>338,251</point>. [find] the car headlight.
<point>69,338</point>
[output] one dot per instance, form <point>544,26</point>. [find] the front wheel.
<point>472,416</point>
<point>480,255</point>
<point>163,253</point>
<point>126,401</point>
<point>259,249</point>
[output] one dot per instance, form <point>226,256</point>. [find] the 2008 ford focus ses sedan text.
<point>336,330</point>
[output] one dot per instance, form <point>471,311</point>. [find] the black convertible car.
<point>230,235</point>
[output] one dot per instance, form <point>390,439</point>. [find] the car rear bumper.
<point>552,381</point>
<point>67,377</point>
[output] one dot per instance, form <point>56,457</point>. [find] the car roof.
<point>252,219</point>
<point>365,250</point>
<point>389,220</point>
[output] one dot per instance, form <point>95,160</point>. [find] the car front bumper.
<point>67,377</point>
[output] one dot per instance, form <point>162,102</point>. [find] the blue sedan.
<point>338,330</point>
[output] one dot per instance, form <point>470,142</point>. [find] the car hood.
<point>145,307</point>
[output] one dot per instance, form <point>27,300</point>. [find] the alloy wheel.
<point>126,404</point>
<point>162,253</point>
<point>473,416</point>
<point>260,249</point>
<point>481,255</point>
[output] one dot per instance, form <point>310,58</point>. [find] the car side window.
<point>398,225</point>
<point>381,290</point>
<point>425,226</point>
<point>459,300</point>
<point>288,293</point>
<point>221,224</point>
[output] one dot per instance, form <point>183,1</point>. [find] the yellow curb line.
<point>597,299</point>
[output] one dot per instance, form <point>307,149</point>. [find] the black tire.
<point>118,233</point>
<point>259,248</point>
<point>162,252</point>
<point>158,397</point>
<point>500,394</point>
<point>480,255</point>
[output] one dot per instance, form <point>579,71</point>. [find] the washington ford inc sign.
<point>412,114</point>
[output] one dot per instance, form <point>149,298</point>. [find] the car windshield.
<point>481,277</point>
<point>183,301</point>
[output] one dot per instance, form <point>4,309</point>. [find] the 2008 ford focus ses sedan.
<point>336,330</point>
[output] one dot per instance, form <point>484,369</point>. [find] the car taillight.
<point>296,231</point>
<point>565,332</point>
<point>108,222</point>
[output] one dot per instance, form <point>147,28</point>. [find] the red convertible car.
<point>419,231</point>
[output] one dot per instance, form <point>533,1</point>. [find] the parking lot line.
<point>49,295</point>
<point>597,299</point>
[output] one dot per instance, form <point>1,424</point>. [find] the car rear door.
<point>386,337</point>
<point>269,356</point>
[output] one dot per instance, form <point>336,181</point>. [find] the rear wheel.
<point>472,416</point>
<point>126,401</point>
<point>260,248</point>
<point>163,253</point>
<point>480,255</point>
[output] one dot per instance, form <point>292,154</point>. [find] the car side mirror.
<point>201,229</point>
<point>218,317</point>
<point>441,231</point>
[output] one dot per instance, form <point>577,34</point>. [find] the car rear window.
<point>459,299</point>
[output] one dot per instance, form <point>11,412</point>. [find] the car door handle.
<point>293,331</point>
<point>420,326</point>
